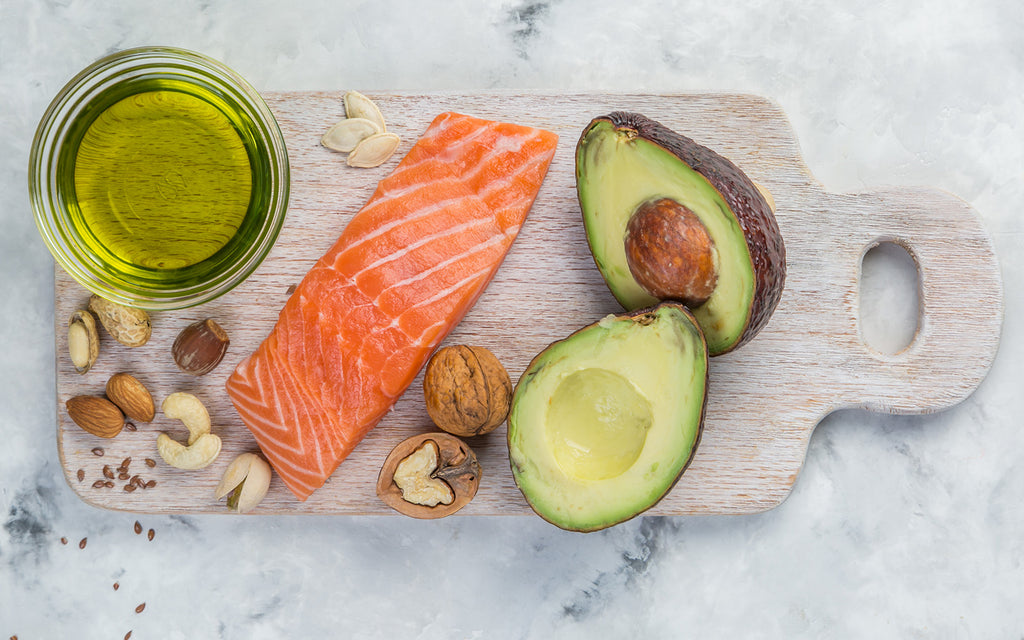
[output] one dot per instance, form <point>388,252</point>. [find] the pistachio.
<point>348,133</point>
<point>373,151</point>
<point>359,106</point>
<point>95,415</point>
<point>200,347</point>
<point>245,482</point>
<point>128,325</point>
<point>83,340</point>
<point>131,396</point>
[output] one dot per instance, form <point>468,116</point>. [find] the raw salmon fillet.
<point>370,312</point>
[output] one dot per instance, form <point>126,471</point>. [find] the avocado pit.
<point>670,253</point>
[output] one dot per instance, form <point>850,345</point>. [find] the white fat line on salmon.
<point>477,248</point>
<point>440,295</point>
<point>296,477</point>
<point>449,121</point>
<point>425,211</point>
<point>401,253</point>
<point>502,145</point>
<point>395,325</point>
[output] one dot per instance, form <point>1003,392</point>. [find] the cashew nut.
<point>247,480</point>
<point>203,447</point>
<point>197,455</point>
<point>190,410</point>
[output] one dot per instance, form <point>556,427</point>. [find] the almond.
<point>200,347</point>
<point>131,396</point>
<point>96,415</point>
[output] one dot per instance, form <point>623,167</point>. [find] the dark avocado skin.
<point>752,211</point>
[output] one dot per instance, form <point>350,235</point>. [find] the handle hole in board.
<point>890,298</point>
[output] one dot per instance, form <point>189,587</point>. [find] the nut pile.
<point>196,351</point>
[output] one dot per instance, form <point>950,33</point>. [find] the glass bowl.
<point>103,160</point>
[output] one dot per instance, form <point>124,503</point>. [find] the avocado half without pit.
<point>669,219</point>
<point>604,422</point>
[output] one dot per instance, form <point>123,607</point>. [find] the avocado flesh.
<point>604,422</point>
<point>617,171</point>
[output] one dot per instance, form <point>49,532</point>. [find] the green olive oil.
<point>162,181</point>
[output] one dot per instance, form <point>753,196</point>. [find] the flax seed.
<point>150,484</point>
<point>97,451</point>
<point>150,462</point>
<point>151,534</point>
<point>81,544</point>
<point>138,527</point>
<point>81,475</point>
<point>98,484</point>
<point>140,608</point>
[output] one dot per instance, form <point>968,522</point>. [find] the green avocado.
<point>604,422</point>
<point>625,161</point>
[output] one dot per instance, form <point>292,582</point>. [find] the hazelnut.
<point>429,476</point>
<point>467,390</point>
<point>200,347</point>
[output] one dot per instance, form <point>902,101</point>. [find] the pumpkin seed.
<point>348,133</point>
<point>359,106</point>
<point>373,151</point>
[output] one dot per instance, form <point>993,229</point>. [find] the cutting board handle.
<point>960,300</point>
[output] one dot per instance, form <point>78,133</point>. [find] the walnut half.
<point>428,476</point>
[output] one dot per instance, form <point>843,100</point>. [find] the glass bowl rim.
<point>51,217</point>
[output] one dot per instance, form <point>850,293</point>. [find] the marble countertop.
<point>898,526</point>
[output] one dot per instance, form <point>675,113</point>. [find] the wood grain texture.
<point>764,399</point>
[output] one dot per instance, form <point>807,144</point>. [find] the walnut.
<point>468,391</point>
<point>431,475</point>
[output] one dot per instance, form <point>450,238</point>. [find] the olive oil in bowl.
<point>162,181</point>
<point>159,178</point>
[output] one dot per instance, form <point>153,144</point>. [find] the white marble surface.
<point>898,527</point>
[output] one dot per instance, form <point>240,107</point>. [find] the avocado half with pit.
<point>604,422</point>
<point>667,218</point>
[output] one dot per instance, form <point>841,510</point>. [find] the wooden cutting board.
<point>764,399</point>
